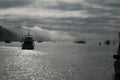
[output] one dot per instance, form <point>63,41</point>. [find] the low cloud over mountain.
<point>39,33</point>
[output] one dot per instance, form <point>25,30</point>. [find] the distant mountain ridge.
<point>6,34</point>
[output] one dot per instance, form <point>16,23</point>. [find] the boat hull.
<point>24,46</point>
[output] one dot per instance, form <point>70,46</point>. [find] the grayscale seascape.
<point>59,39</point>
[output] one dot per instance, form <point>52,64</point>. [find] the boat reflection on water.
<point>28,42</point>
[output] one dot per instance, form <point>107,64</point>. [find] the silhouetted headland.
<point>6,34</point>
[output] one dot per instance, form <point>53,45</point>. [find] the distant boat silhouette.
<point>7,41</point>
<point>28,42</point>
<point>99,43</point>
<point>80,42</point>
<point>107,42</point>
<point>53,41</point>
<point>21,41</point>
<point>39,41</point>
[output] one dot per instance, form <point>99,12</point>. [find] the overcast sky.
<point>71,18</point>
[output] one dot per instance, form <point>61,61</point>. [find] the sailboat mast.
<point>119,44</point>
<point>28,32</point>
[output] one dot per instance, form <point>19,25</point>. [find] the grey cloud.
<point>76,6</point>
<point>95,7</point>
<point>114,4</point>
<point>105,3</point>
<point>103,21</point>
<point>14,3</point>
<point>82,25</point>
<point>66,6</point>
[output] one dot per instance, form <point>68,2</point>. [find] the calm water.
<point>57,61</point>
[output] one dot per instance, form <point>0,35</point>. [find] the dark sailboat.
<point>28,42</point>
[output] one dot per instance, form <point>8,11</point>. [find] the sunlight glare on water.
<point>57,61</point>
<point>23,64</point>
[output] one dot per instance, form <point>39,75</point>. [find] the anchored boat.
<point>7,41</point>
<point>80,42</point>
<point>28,42</point>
